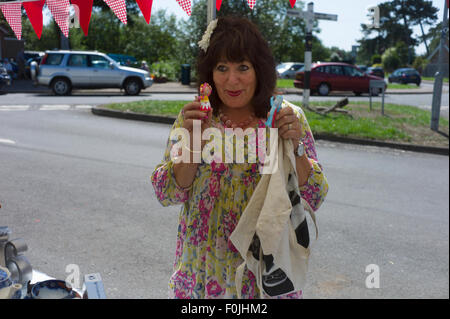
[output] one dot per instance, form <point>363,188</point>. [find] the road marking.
<point>54,107</point>
<point>45,107</point>
<point>6,141</point>
<point>14,107</point>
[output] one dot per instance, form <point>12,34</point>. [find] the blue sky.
<point>342,33</point>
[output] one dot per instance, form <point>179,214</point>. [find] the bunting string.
<point>60,10</point>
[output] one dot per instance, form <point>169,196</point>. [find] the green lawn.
<point>401,123</point>
<point>285,84</point>
<point>431,78</point>
<point>401,86</point>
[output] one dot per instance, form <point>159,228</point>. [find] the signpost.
<point>309,16</point>
<point>437,87</point>
<point>211,14</point>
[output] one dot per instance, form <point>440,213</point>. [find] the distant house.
<point>9,46</point>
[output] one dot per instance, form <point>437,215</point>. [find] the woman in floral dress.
<point>238,64</point>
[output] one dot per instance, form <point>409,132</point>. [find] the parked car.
<point>376,71</point>
<point>405,76</point>
<point>335,76</point>
<point>28,65</point>
<point>287,70</point>
<point>5,78</point>
<point>125,60</point>
<point>64,70</point>
<point>32,54</point>
<point>362,68</point>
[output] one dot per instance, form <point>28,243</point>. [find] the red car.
<point>333,76</point>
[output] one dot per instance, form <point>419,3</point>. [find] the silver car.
<point>64,70</point>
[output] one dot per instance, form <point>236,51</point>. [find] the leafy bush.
<point>376,59</point>
<point>164,71</point>
<point>390,59</point>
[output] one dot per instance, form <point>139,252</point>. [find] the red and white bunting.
<point>146,8</point>
<point>119,8</point>
<point>292,2</point>
<point>34,13</point>
<point>85,11</point>
<point>251,3</point>
<point>60,12</point>
<point>218,4</point>
<point>186,6</point>
<point>13,14</point>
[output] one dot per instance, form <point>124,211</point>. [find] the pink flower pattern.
<point>205,258</point>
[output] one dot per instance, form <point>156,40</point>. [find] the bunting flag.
<point>60,11</point>
<point>119,8</point>
<point>218,4</point>
<point>185,5</point>
<point>34,13</point>
<point>251,3</point>
<point>13,14</point>
<point>146,8</point>
<point>84,11</point>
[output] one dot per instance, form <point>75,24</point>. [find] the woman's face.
<point>235,83</point>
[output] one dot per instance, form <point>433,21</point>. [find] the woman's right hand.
<point>191,112</point>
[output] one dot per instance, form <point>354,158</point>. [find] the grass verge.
<point>401,123</point>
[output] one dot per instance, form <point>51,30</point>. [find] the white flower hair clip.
<point>204,43</point>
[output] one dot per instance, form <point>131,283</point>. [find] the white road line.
<point>14,107</point>
<point>6,141</point>
<point>54,107</point>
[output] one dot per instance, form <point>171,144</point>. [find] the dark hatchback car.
<point>327,77</point>
<point>405,76</point>
<point>375,71</point>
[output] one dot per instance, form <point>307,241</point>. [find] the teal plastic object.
<point>275,108</point>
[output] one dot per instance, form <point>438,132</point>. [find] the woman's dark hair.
<point>237,39</point>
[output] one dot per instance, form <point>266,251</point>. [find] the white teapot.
<point>8,290</point>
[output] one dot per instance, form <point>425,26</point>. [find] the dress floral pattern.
<point>205,259</point>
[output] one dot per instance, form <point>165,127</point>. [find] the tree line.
<point>172,42</point>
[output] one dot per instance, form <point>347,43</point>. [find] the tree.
<point>391,61</point>
<point>397,20</point>
<point>285,34</point>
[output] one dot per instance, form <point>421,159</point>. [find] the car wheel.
<point>418,83</point>
<point>357,93</point>
<point>61,86</point>
<point>132,87</point>
<point>323,89</point>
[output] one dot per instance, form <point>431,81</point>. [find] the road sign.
<point>325,16</point>
<point>296,13</point>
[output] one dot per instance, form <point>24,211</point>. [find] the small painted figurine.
<point>205,91</point>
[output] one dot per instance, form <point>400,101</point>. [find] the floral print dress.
<point>205,259</point>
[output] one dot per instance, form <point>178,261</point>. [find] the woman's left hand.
<point>288,125</point>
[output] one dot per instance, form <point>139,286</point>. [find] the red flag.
<point>292,2</point>
<point>119,8</point>
<point>34,13</point>
<point>146,8</point>
<point>251,3</point>
<point>60,10</point>
<point>84,11</point>
<point>185,5</point>
<point>218,4</point>
<point>13,14</point>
